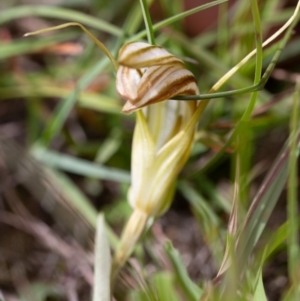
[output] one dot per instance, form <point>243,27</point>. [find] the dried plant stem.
<point>97,42</point>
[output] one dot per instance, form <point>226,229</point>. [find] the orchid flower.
<point>148,77</point>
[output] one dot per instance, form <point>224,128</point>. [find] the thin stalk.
<point>214,95</point>
<point>292,206</point>
<point>148,22</point>
<point>176,18</point>
<point>259,58</point>
<point>223,31</point>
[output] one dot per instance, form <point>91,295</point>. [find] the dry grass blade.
<point>74,255</point>
<point>102,263</point>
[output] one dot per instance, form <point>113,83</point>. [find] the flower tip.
<point>128,108</point>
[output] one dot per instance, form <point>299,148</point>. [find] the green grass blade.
<point>190,289</point>
<point>148,22</point>
<point>93,101</point>
<point>292,205</point>
<point>259,58</point>
<point>164,286</point>
<point>223,31</point>
<point>134,19</point>
<point>277,239</point>
<point>80,166</point>
<point>259,293</point>
<point>58,13</point>
<point>263,204</point>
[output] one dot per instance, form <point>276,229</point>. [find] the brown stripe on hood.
<point>165,93</point>
<point>130,60</point>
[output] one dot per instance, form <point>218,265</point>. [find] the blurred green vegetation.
<point>65,154</point>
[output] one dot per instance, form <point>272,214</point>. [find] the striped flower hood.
<point>150,74</point>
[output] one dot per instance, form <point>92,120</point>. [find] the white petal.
<point>163,119</point>
<point>127,82</point>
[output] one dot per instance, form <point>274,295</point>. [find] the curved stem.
<point>97,42</point>
<point>256,87</point>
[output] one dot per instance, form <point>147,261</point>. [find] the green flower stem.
<point>148,22</point>
<point>258,40</point>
